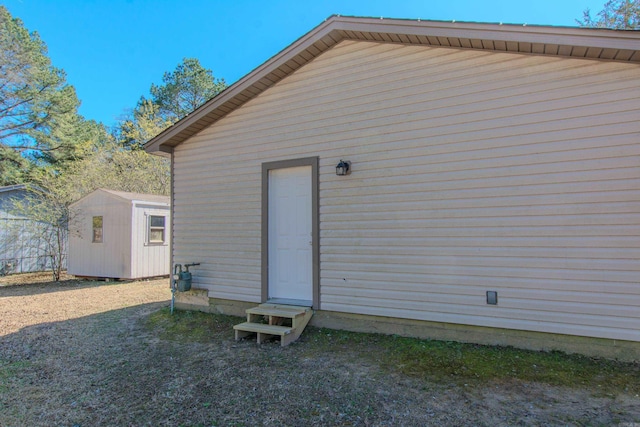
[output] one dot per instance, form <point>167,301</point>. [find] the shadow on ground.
<point>51,287</point>
<point>138,366</point>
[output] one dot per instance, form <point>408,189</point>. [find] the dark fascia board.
<point>159,142</point>
<point>336,29</point>
<point>574,36</point>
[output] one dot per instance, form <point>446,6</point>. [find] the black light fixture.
<point>343,168</point>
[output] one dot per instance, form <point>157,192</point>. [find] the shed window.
<point>156,229</point>
<point>97,229</point>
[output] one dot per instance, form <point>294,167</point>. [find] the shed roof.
<point>14,187</point>
<point>131,197</point>
<point>138,197</point>
<point>605,44</point>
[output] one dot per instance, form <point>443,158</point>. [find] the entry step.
<point>278,310</point>
<point>269,320</point>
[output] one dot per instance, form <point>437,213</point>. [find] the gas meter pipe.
<point>180,280</point>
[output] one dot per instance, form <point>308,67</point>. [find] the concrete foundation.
<point>198,300</point>
<point>594,347</point>
<point>628,351</point>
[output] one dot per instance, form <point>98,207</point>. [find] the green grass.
<point>190,326</point>
<point>469,362</point>
<point>9,371</point>
<point>435,360</point>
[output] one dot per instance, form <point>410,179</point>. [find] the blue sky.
<point>112,50</point>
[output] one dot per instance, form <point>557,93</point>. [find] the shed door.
<point>290,236</point>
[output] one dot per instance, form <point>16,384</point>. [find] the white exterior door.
<point>290,235</point>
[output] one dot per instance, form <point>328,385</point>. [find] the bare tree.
<point>46,228</point>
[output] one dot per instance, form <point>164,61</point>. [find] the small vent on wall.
<point>492,297</point>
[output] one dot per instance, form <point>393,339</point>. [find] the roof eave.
<point>170,137</point>
<point>587,37</point>
<point>434,33</point>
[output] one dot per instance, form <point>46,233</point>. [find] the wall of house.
<point>112,257</point>
<point>149,259</point>
<point>473,171</point>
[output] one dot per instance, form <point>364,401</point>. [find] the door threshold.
<point>288,301</point>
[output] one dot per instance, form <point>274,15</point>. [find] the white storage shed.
<point>115,234</point>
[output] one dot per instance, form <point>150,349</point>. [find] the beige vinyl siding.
<point>472,171</point>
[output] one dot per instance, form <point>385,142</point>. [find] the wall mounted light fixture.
<point>343,168</point>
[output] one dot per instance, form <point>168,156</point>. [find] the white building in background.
<point>25,244</point>
<point>121,235</point>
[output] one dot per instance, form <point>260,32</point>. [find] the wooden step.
<point>279,311</point>
<point>263,332</point>
<point>261,327</point>
<point>275,315</point>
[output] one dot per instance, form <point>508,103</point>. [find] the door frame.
<point>315,223</point>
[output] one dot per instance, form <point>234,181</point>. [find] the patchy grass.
<point>190,326</point>
<point>9,371</point>
<point>468,362</point>
<point>125,360</point>
<point>430,359</point>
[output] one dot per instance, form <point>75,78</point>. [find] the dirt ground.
<point>81,353</point>
<point>43,302</point>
